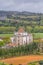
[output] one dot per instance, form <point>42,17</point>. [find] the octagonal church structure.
<point>21,37</point>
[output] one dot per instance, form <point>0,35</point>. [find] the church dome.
<point>21,30</point>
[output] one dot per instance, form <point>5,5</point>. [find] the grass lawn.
<point>38,35</point>
<point>6,35</point>
<point>35,35</point>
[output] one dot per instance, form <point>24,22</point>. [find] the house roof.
<point>21,30</point>
<point>10,44</point>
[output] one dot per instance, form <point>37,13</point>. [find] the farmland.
<point>32,22</point>
<point>35,35</point>
<point>23,59</point>
<point>38,35</point>
<point>6,35</point>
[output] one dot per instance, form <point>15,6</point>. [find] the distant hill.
<point>6,13</point>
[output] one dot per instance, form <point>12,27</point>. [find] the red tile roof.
<point>21,30</point>
<point>11,44</point>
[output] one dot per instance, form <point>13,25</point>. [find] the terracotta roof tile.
<point>11,44</point>
<point>21,30</point>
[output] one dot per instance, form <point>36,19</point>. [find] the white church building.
<point>21,37</point>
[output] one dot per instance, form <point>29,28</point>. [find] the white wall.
<point>27,38</point>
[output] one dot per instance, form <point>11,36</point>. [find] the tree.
<point>2,43</point>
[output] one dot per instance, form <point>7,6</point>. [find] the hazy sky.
<point>22,5</point>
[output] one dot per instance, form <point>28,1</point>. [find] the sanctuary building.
<point>21,37</point>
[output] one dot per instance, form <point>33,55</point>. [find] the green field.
<point>38,35</point>
<point>6,35</point>
<point>35,35</point>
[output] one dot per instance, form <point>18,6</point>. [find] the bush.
<point>2,43</point>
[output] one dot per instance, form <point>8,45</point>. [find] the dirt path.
<point>23,59</point>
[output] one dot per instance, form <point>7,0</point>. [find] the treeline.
<point>30,29</point>
<point>37,18</point>
<point>12,20</point>
<point>20,50</point>
<point>7,30</point>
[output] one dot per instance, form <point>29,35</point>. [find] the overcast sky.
<point>22,5</point>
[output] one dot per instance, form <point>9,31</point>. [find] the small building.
<point>21,37</point>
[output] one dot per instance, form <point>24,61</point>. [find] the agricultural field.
<point>38,35</point>
<point>24,60</point>
<point>35,35</point>
<point>6,35</point>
